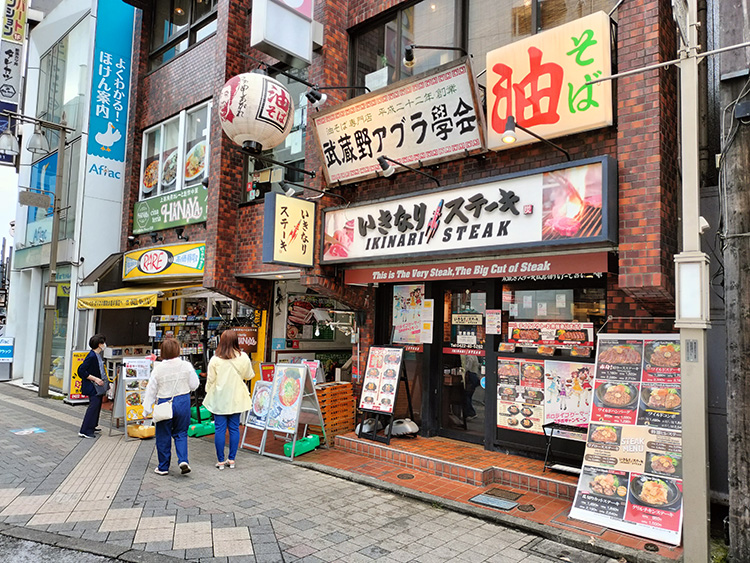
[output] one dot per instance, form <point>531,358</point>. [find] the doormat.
<point>493,502</point>
<point>503,493</point>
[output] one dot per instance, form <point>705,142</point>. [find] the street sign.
<point>680,14</point>
<point>33,199</point>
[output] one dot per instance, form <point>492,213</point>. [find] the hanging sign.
<point>430,118</point>
<point>541,82</point>
<point>248,338</point>
<point>633,465</point>
<point>569,204</point>
<point>14,20</point>
<point>288,230</point>
<point>176,260</point>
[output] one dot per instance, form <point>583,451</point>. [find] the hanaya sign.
<point>541,82</point>
<point>165,261</point>
<point>288,230</point>
<point>430,118</point>
<point>174,209</point>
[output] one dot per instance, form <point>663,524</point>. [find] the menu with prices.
<point>136,373</point>
<point>632,474</point>
<point>381,380</point>
<point>561,335</point>
<point>520,395</point>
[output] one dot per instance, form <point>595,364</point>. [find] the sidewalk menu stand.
<point>282,405</point>
<point>384,371</point>
<point>130,391</point>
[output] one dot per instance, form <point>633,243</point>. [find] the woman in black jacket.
<point>93,384</point>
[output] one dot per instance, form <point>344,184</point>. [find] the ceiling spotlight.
<point>156,237</point>
<point>315,98</point>
<point>409,61</point>
<point>133,240</point>
<point>180,235</point>
<point>509,137</point>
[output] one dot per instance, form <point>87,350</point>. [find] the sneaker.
<point>184,467</point>
<point>160,472</point>
<point>82,435</point>
<point>220,466</point>
<point>97,429</point>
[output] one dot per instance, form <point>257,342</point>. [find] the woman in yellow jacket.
<point>227,395</point>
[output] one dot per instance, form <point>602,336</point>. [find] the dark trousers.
<point>224,422</point>
<point>471,384</point>
<point>175,428</point>
<point>91,418</point>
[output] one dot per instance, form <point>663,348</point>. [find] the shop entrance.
<point>461,389</point>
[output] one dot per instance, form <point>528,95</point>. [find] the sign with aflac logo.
<point>177,260</point>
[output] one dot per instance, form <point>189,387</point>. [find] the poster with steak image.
<point>602,492</point>
<point>559,335</point>
<point>532,374</point>
<point>635,431</point>
<point>508,371</point>
<point>661,362</point>
<point>660,406</point>
<point>619,359</point>
<point>520,400</point>
<point>380,383</point>
<point>286,396</point>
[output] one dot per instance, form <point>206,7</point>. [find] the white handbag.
<point>163,411</point>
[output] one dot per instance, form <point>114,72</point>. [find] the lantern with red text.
<point>256,111</point>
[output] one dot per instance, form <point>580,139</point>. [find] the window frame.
<point>190,33</point>
<point>182,120</point>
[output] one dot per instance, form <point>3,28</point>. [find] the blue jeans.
<point>224,421</point>
<point>91,418</point>
<point>176,427</point>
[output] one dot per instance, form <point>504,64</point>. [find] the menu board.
<point>286,395</point>
<point>520,395</point>
<point>135,375</point>
<point>559,335</point>
<point>261,403</point>
<point>381,380</point>
<point>632,474</point>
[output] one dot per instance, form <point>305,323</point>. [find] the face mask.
<point>103,346</point>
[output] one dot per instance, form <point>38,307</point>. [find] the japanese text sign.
<point>174,260</point>
<point>110,88</point>
<point>564,204</point>
<point>541,81</point>
<point>288,230</point>
<point>10,71</point>
<point>429,118</point>
<point>14,20</point>
<point>173,209</point>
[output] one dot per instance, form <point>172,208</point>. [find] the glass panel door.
<point>462,391</point>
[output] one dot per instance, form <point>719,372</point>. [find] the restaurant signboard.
<point>631,479</point>
<point>542,81</point>
<point>430,118</point>
<point>565,204</point>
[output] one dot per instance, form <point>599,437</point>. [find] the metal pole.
<point>45,365</point>
<point>696,507</point>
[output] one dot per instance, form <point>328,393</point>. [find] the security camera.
<point>702,225</point>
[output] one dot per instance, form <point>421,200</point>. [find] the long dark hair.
<point>229,345</point>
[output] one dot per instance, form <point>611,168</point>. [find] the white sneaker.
<point>82,435</point>
<point>160,472</point>
<point>184,467</point>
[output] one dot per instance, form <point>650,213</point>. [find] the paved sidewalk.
<point>102,497</point>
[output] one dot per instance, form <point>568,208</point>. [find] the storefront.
<point>496,290</point>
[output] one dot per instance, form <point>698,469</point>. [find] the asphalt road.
<point>21,551</point>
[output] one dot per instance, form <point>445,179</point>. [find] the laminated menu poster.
<point>286,396</point>
<point>568,392</point>
<point>135,375</point>
<point>520,395</point>
<point>632,474</point>
<point>261,403</point>
<point>559,335</point>
<point>381,380</point>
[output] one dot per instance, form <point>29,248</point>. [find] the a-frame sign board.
<point>282,405</point>
<point>383,372</point>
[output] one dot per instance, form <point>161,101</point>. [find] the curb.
<point>571,539</point>
<point>88,546</point>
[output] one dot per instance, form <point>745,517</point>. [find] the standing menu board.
<point>286,395</point>
<point>632,474</point>
<point>381,380</point>
<point>261,402</point>
<point>135,376</point>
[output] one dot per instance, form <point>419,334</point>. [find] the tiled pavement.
<point>101,496</point>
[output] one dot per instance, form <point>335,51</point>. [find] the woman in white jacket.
<point>227,395</point>
<point>172,377</point>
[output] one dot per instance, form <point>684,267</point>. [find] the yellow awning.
<point>128,297</point>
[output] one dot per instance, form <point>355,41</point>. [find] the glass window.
<point>261,177</point>
<point>175,153</point>
<point>382,45</point>
<point>63,75</point>
<point>178,24</point>
<point>557,12</point>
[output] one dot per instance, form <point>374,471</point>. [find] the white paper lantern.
<point>256,111</point>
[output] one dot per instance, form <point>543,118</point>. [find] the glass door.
<point>462,389</point>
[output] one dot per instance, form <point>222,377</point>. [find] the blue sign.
<point>6,350</point>
<point>110,86</point>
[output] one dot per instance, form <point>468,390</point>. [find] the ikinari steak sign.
<point>569,204</point>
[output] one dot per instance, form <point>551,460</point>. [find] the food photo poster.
<point>631,478</point>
